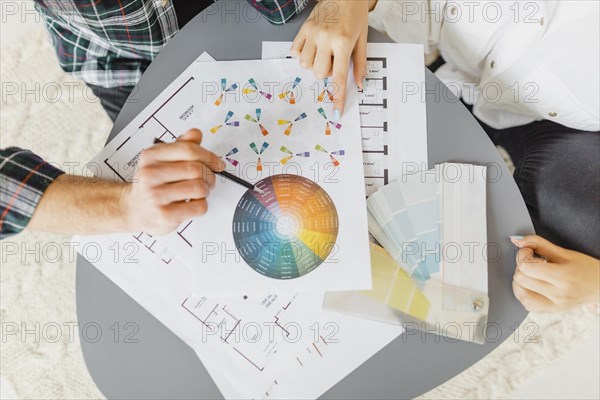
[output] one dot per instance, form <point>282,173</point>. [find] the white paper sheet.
<point>309,232</point>
<point>392,110</point>
<point>464,228</point>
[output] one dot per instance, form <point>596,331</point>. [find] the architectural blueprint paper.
<point>168,116</point>
<point>274,124</point>
<point>325,362</point>
<point>310,350</point>
<point>249,339</point>
<point>392,110</point>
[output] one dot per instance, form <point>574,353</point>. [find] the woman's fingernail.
<point>336,115</point>
<point>515,238</point>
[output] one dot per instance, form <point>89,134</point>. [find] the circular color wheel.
<point>288,230</point>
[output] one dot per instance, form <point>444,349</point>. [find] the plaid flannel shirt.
<point>106,43</point>
<point>23,179</point>
<point>111,42</point>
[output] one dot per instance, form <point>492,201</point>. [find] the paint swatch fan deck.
<point>432,268</point>
<point>305,230</point>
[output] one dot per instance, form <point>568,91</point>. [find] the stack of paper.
<point>257,321</point>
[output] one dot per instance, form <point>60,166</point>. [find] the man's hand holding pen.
<point>172,184</point>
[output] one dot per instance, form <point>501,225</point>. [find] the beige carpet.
<point>72,128</point>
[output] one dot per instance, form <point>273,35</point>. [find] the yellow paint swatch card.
<point>397,298</point>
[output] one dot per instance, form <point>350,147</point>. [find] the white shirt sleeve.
<point>407,21</point>
<point>537,60</point>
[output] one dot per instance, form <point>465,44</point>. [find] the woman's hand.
<point>171,186</point>
<point>562,279</point>
<point>334,32</point>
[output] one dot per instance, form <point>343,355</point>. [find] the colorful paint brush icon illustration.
<point>258,152</point>
<point>288,93</point>
<point>329,123</point>
<point>291,155</point>
<point>256,120</point>
<point>255,89</point>
<point>229,157</point>
<point>227,122</point>
<point>225,90</point>
<point>325,92</point>
<point>290,124</point>
<point>331,154</point>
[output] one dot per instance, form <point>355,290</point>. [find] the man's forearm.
<point>75,204</point>
<point>171,186</point>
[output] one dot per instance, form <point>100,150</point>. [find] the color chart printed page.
<point>306,230</point>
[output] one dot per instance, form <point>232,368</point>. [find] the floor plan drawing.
<point>171,114</point>
<point>256,337</point>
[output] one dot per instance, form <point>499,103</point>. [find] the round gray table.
<point>160,365</point>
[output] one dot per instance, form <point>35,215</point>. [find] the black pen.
<point>230,176</point>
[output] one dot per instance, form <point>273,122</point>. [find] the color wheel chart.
<point>287,231</point>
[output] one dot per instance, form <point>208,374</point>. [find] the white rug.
<point>72,128</point>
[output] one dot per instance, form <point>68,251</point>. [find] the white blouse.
<point>514,61</point>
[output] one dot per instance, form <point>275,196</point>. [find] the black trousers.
<point>558,174</point>
<point>557,171</point>
<point>112,99</point>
